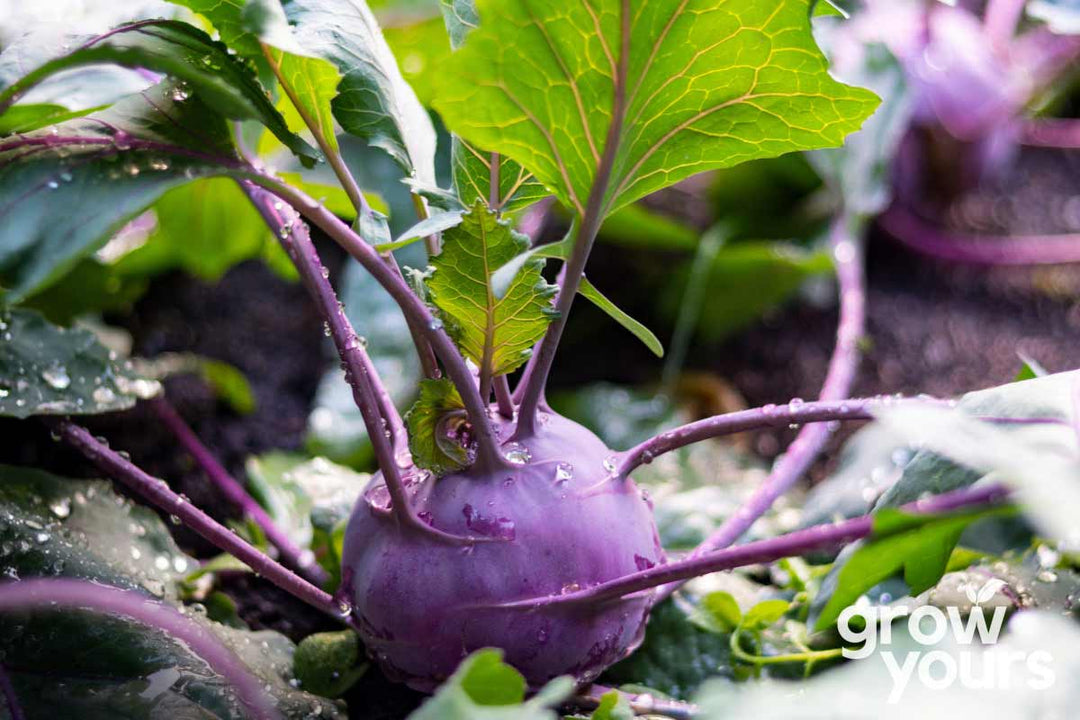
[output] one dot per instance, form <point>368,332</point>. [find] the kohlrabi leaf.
<point>33,116</point>
<point>51,526</point>
<point>516,187</point>
<point>485,688</point>
<point>95,666</point>
<point>676,656</point>
<point>421,48</point>
<point>204,228</point>
<point>239,23</point>
<point>49,370</point>
<point>435,223</point>
<point>687,86</point>
<point>917,545</point>
<point>1040,459</point>
<point>497,333</point>
<point>311,84</point>
<point>374,101</point>
<point>433,422</point>
<point>182,51</point>
<point>642,333</point>
<point>103,170</point>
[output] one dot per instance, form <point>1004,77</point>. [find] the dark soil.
<point>933,327</point>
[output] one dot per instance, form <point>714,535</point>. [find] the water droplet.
<point>103,396</point>
<point>518,454</point>
<point>435,324</point>
<point>611,464</point>
<point>52,184</point>
<point>136,553</point>
<point>65,176</point>
<point>61,508</point>
<point>564,471</point>
<point>57,377</point>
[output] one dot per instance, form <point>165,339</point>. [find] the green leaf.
<point>497,333</point>
<point>29,117</point>
<point>311,84</point>
<point>374,101</point>
<point>186,53</point>
<point>744,280</point>
<point>95,666</point>
<point>642,333</point>
<point>432,423</point>
<point>485,688</point>
<point>918,545</point>
<point>48,370</point>
<point>764,614</point>
<point>304,495</point>
<point>229,384</point>
<point>676,655</point>
<point>957,447</point>
<point>328,663</point>
<point>435,223</point>
<point>517,187</point>
<point>613,706</point>
<point>720,612</point>
<point>706,86</point>
<point>421,49</point>
<point>204,228</point>
<point>635,226</point>
<point>1030,369</point>
<point>103,170</point>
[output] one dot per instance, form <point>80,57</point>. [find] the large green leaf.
<point>99,667</point>
<point>186,53</point>
<point>48,370</point>
<point>66,190</point>
<point>917,545</point>
<point>485,688</point>
<point>495,331</point>
<point>311,84</point>
<point>700,85</point>
<point>517,187</point>
<point>744,280</point>
<point>204,227</point>
<point>374,101</point>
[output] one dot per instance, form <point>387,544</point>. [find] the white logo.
<point>989,667</point>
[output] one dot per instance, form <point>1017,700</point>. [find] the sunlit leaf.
<point>497,333</point>
<point>701,86</point>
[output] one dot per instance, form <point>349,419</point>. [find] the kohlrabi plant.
<point>492,521</point>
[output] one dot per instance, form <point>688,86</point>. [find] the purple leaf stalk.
<point>41,593</point>
<point>300,560</point>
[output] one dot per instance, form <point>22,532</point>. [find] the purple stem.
<point>793,413</point>
<point>1000,20</point>
<point>819,537</point>
<point>158,494</point>
<point>8,691</point>
<point>296,240</point>
<point>979,249</point>
<point>51,593</point>
<point>367,390</point>
<point>503,400</point>
<point>303,562</point>
<point>847,256</point>
<point>1052,133</point>
<point>591,219</point>
<point>414,309</point>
